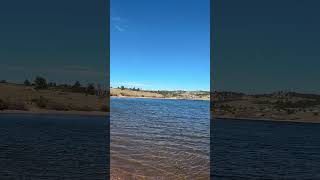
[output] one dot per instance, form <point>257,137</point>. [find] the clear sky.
<point>62,40</point>
<point>264,46</point>
<point>160,44</point>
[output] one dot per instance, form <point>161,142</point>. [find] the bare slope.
<point>276,106</point>
<point>193,95</point>
<point>27,98</point>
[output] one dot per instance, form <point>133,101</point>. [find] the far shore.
<point>53,99</point>
<point>169,98</point>
<point>315,121</point>
<point>276,106</point>
<point>54,112</point>
<point>159,94</point>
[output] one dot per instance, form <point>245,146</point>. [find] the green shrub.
<point>3,105</point>
<point>40,83</point>
<point>91,89</point>
<point>41,102</point>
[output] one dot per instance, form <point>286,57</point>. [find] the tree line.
<point>133,89</point>
<point>41,83</point>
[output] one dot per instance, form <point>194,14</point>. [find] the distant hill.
<point>56,98</point>
<point>138,93</point>
<point>280,105</point>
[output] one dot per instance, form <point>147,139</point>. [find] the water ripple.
<point>159,139</point>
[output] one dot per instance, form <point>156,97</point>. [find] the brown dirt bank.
<point>53,112</point>
<point>266,119</point>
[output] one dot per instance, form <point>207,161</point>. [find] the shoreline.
<point>54,112</point>
<point>139,97</point>
<point>266,119</point>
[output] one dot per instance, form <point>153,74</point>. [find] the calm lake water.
<point>155,139</point>
<point>53,147</point>
<point>159,139</point>
<point>244,149</point>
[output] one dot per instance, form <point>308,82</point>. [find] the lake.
<point>156,139</point>
<point>159,139</point>
<point>244,149</point>
<point>54,147</point>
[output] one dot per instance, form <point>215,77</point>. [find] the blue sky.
<point>265,46</point>
<point>62,40</point>
<point>259,46</point>
<point>160,44</point>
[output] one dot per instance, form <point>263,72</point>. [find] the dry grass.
<point>148,94</point>
<point>131,93</point>
<point>248,107</point>
<point>19,97</point>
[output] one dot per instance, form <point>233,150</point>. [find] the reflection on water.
<point>159,139</point>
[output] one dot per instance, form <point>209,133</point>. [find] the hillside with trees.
<point>40,96</point>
